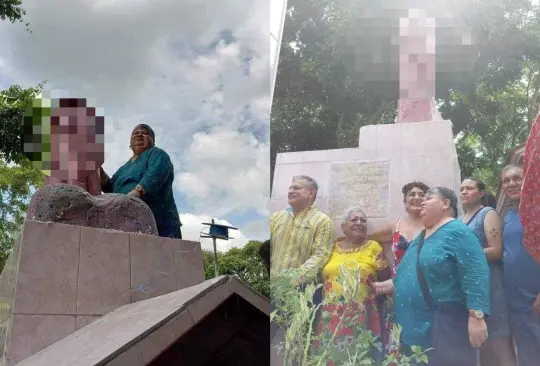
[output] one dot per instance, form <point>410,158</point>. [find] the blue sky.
<point>197,71</point>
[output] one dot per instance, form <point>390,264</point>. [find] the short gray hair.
<point>312,183</point>
<point>510,167</point>
<point>349,211</point>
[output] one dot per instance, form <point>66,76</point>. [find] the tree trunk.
<point>385,103</point>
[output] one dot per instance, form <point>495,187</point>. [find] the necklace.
<point>352,250</point>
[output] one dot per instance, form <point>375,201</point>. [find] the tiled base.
<point>61,278</point>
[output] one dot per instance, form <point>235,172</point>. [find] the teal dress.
<point>154,171</point>
<point>456,270</point>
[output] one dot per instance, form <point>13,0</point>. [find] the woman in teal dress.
<point>148,175</point>
<point>450,319</point>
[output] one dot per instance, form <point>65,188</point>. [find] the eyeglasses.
<point>416,194</point>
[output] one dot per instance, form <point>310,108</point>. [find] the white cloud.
<point>165,63</point>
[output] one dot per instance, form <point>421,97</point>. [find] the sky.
<point>197,71</point>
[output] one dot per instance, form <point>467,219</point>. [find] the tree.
<point>337,73</point>
<point>16,185</point>
<point>18,177</point>
<point>12,10</point>
<point>244,262</point>
<point>13,105</point>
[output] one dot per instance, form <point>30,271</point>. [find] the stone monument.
<point>68,147</point>
<point>389,155</point>
<point>70,204</point>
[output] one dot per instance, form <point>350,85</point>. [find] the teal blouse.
<point>456,270</point>
<point>154,171</point>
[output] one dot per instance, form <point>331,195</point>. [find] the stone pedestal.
<point>372,175</point>
<point>60,278</point>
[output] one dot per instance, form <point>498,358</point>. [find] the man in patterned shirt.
<point>301,237</point>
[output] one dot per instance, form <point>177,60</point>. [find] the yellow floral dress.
<point>361,312</point>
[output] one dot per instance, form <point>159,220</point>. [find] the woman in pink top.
<point>395,238</point>
<point>396,235</point>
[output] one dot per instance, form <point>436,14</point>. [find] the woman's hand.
<point>382,288</point>
<point>134,193</point>
<point>478,332</point>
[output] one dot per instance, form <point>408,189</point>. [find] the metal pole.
<point>216,266</point>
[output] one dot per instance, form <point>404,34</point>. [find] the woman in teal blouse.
<point>148,175</point>
<point>456,273</point>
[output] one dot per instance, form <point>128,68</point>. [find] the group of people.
<point>461,287</point>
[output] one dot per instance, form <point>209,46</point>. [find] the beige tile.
<point>292,157</point>
<point>318,171</point>
<point>439,138</point>
<point>439,170</point>
<point>413,168</point>
<point>188,264</point>
<point>368,136</point>
<point>388,140</point>
<point>47,273</point>
<point>104,273</point>
<point>394,174</point>
<point>413,139</point>
<point>84,320</point>
<point>32,333</point>
<point>152,266</point>
<point>315,156</point>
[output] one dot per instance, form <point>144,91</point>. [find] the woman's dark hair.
<point>410,186</point>
<point>491,200</point>
<point>488,200</point>
<point>264,252</point>
<point>447,194</point>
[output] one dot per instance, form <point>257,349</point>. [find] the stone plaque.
<point>359,183</point>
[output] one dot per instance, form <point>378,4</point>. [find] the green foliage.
<point>16,183</point>
<point>338,72</point>
<point>12,10</point>
<point>244,262</point>
<point>296,312</point>
<point>13,104</point>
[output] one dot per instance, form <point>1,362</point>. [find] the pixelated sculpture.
<point>388,155</point>
<point>71,204</point>
<point>417,68</point>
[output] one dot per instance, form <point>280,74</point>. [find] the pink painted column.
<point>417,68</point>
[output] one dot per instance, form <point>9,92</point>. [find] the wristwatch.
<point>477,314</point>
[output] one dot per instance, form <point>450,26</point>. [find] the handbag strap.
<point>473,216</point>
<point>428,299</point>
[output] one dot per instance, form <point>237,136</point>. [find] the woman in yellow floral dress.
<point>354,308</point>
